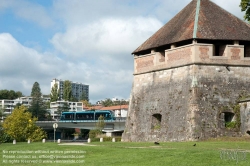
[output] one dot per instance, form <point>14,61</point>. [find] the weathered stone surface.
<point>189,111</point>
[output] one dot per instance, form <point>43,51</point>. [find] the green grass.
<point>138,154</point>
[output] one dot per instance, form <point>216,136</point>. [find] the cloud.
<point>29,11</point>
<point>21,66</point>
<point>108,36</point>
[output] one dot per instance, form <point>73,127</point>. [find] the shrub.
<point>94,133</point>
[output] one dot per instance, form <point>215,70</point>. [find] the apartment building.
<point>9,105</point>
<point>77,89</point>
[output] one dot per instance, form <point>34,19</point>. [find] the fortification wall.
<point>189,99</point>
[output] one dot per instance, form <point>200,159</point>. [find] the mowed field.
<point>207,153</point>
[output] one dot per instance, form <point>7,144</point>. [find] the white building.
<point>77,88</point>
<point>73,106</point>
<point>9,105</point>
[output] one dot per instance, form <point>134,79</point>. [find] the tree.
<point>10,94</point>
<point>86,103</point>
<point>100,123</point>
<point>54,93</point>
<point>21,126</point>
<point>84,96</point>
<point>37,107</point>
<point>107,102</point>
<point>67,91</point>
<point>245,6</point>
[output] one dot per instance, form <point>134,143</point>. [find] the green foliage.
<point>94,133</point>
<point>86,103</point>
<point>84,96</point>
<point>157,127</point>
<point>107,103</point>
<point>245,6</point>
<point>3,136</point>
<point>100,123</point>
<point>21,126</point>
<point>10,94</point>
<point>236,110</point>
<point>54,95</point>
<point>231,125</point>
<point>67,91</point>
<point>38,108</point>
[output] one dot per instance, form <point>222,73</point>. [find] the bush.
<point>94,133</point>
<point>118,139</point>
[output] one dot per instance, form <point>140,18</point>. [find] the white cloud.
<point>112,36</point>
<point>20,66</point>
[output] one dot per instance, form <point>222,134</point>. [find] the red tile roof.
<point>200,19</point>
<point>117,107</point>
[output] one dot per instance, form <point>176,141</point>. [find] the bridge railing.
<point>118,119</point>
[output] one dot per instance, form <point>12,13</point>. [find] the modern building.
<point>189,77</point>
<point>72,106</point>
<point>9,105</point>
<point>77,89</point>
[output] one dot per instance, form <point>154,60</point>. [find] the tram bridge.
<point>110,125</point>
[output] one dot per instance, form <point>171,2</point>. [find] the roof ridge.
<point>196,18</point>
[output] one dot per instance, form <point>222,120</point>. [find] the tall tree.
<point>245,6</point>
<point>67,91</point>
<point>84,96</point>
<point>38,107</point>
<point>54,93</point>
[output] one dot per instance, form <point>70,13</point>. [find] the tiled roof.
<point>200,19</point>
<point>116,107</point>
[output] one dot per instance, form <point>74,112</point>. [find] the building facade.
<point>9,105</point>
<point>77,89</point>
<point>71,106</point>
<point>189,76</point>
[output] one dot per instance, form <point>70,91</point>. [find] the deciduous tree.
<point>20,125</point>
<point>10,94</point>
<point>245,6</point>
<point>54,93</point>
<point>67,91</point>
<point>107,102</point>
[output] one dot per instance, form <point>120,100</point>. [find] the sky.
<point>86,41</point>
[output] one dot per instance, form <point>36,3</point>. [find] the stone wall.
<point>185,103</point>
<point>245,117</point>
<point>191,54</point>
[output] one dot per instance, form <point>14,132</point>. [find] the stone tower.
<point>189,75</point>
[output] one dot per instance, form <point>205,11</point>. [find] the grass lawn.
<point>205,153</point>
